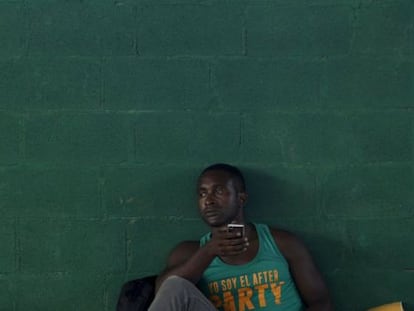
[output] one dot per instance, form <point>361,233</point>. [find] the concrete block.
<point>160,237</point>
<point>370,287</point>
<point>11,131</point>
<point>65,83</point>
<point>73,292</point>
<point>40,83</point>
<point>327,138</point>
<point>369,83</point>
<point>76,138</point>
<point>353,3</point>
<point>7,297</point>
<point>267,85</point>
<point>113,284</point>
<point>278,191</point>
<point>181,2</point>
<point>13,29</point>
<point>384,28</point>
<point>63,29</point>
<point>8,246</point>
<point>63,245</point>
<point>372,246</point>
<point>174,137</point>
<point>10,191</point>
<point>371,191</point>
<point>136,84</point>
<point>117,26</point>
<point>190,30</point>
<point>81,29</point>
<point>382,136</point>
<point>281,137</point>
<point>59,193</point>
<point>136,191</point>
<point>298,30</point>
<point>13,79</point>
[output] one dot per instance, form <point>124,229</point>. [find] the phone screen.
<point>236,228</point>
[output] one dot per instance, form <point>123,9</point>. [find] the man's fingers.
<point>226,234</point>
<point>233,247</point>
<point>240,241</point>
<point>233,251</point>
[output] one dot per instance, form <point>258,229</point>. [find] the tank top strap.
<point>205,238</point>
<point>267,241</point>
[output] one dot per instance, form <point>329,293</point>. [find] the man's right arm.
<point>189,260</point>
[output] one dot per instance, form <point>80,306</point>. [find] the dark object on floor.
<point>137,295</point>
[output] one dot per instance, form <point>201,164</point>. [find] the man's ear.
<point>243,198</point>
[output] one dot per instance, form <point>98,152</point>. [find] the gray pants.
<point>178,294</point>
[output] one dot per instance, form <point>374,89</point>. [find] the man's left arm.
<point>307,277</point>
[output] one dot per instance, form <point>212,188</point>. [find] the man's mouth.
<point>211,213</point>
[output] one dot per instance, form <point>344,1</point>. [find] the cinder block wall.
<point>109,109</point>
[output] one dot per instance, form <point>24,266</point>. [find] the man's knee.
<point>176,282</point>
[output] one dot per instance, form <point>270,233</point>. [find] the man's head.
<point>234,173</point>
<point>222,195</point>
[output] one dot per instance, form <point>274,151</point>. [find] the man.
<point>261,269</point>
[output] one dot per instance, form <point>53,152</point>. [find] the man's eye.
<point>219,191</point>
<point>202,194</point>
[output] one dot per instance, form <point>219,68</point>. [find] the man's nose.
<point>209,199</point>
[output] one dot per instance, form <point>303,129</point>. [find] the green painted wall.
<point>109,109</point>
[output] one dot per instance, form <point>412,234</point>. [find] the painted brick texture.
<point>109,110</point>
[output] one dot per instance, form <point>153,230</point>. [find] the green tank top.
<point>264,283</point>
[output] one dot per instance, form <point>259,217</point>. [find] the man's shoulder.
<point>277,233</point>
<point>287,242</point>
<point>281,234</point>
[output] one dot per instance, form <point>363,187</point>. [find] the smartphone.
<point>236,228</point>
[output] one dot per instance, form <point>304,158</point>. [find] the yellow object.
<point>395,306</point>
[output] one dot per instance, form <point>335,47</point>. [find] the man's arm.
<point>189,260</point>
<point>308,279</point>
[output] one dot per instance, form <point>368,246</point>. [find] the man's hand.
<point>225,243</point>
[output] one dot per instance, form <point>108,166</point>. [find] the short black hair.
<point>234,172</point>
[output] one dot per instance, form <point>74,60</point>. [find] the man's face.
<point>218,199</point>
